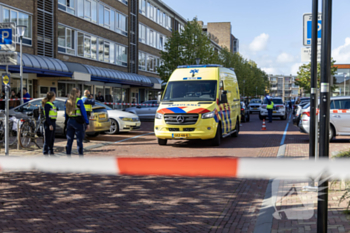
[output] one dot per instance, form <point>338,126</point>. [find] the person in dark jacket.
<point>77,119</point>
<point>50,113</point>
<point>100,97</point>
<point>13,103</point>
<point>2,103</point>
<point>26,96</point>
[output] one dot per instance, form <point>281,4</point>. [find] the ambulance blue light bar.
<point>199,66</point>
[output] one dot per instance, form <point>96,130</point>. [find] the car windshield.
<point>255,102</point>
<point>191,91</point>
<point>275,101</point>
<point>103,105</point>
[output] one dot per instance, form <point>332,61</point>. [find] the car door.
<point>60,116</point>
<point>340,116</point>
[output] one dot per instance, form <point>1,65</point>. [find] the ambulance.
<point>199,102</point>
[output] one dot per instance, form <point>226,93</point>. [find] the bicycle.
<point>32,128</point>
<point>12,130</point>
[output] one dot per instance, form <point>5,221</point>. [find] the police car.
<point>279,109</point>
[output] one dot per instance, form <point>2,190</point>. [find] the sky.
<point>270,32</point>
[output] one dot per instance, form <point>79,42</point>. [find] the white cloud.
<point>269,70</point>
<point>295,68</point>
<point>285,58</point>
<point>342,53</point>
<point>259,43</point>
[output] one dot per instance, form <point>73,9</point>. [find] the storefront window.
<point>99,89</point>
<point>70,86</point>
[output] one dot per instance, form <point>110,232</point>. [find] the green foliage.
<point>303,79</point>
<point>192,43</point>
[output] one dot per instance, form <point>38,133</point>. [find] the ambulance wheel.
<point>217,140</point>
<point>162,142</point>
<point>235,134</point>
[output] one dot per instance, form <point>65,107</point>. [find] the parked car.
<point>145,112</point>
<point>245,116</point>
<point>99,121</point>
<point>279,109</point>
<point>339,117</point>
<point>121,121</point>
<point>254,105</point>
<point>298,100</point>
<point>297,112</point>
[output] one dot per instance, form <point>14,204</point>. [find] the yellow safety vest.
<point>77,109</point>
<point>88,107</point>
<point>52,112</point>
<point>270,106</point>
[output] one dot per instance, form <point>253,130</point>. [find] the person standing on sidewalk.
<point>269,107</point>
<point>26,96</point>
<point>77,119</point>
<point>50,113</point>
<point>88,103</point>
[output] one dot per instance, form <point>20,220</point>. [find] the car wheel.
<point>217,140</point>
<point>162,142</point>
<point>235,134</point>
<point>331,133</point>
<point>114,127</point>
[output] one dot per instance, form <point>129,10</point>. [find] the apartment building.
<point>220,35</point>
<point>283,86</point>
<point>107,46</point>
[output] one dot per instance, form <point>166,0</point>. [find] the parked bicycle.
<point>12,129</point>
<point>32,128</point>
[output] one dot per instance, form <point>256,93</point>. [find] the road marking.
<point>133,137</point>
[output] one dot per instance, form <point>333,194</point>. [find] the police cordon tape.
<point>262,168</point>
<point>17,99</point>
<point>131,104</point>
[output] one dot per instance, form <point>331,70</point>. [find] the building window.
<point>87,10</point>
<point>142,61</point>
<point>124,1</point>
<point>67,5</point>
<point>106,51</point>
<point>142,33</point>
<point>100,14</point>
<point>87,46</point>
<point>112,54</point>
<point>80,8</point>
<point>94,48</point>
<point>93,11</point>
<point>66,40</point>
<point>122,55</point>
<point>148,62</point>
<point>121,24</point>
<point>107,19</point>
<point>19,18</point>
<point>100,50</point>
<point>142,7</point>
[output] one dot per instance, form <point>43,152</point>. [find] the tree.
<point>303,79</point>
<point>184,48</point>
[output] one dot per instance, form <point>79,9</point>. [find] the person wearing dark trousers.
<point>88,101</point>
<point>100,97</point>
<point>50,113</point>
<point>77,121</point>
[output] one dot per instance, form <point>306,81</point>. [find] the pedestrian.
<point>13,103</point>
<point>88,102</point>
<point>26,96</point>
<point>100,97</point>
<point>77,119</point>
<point>290,104</point>
<point>269,107</point>
<point>2,102</point>
<point>50,113</point>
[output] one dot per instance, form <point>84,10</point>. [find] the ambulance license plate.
<point>181,135</point>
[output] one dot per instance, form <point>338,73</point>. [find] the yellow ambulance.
<point>199,102</point>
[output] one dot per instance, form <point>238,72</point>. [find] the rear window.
<point>275,101</point>
<point>99,110</point>
<point>255,102</point>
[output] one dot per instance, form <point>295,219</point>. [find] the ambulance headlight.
<point>208,115</point>
<point>159,116</point>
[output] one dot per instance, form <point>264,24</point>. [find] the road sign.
<point>307,24</point>
<point>7,37</point>
<point>8,58</point>
<point>306,54</point>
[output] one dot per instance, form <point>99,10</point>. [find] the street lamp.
<point>21,29</point>
<point>198,60</point>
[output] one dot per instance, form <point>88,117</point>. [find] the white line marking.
<point>133,137</point>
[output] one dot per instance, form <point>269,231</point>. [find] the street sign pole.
<point>322,208</point>
<point>6,86</point>
<point>313,95</point>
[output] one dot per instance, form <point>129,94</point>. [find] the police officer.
<point>77,120</point>
<point>50,113</point>
<point>269,107</point>
<point>88,103</point>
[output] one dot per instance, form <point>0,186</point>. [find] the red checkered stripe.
<point>131,104</point>
<point>17,99</point>
<point>340,111</point>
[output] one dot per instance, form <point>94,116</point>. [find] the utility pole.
<point>313,96</point>
<point>322,208</point>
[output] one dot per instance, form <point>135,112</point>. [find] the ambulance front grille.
<point>176,119</point>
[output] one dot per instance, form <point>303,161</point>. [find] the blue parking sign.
<point>6,36</point>
<point>307,31</point>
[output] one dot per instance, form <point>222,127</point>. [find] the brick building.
<point>107,46</point>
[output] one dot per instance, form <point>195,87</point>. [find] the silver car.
<point>339,117</point>
<point>279,109</point>
<point>254,105</point>
<point>145,112</point>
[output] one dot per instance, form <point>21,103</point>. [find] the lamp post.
<point>198,60</point>
<point>20,32</point>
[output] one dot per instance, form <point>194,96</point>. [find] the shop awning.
<point>114,76</point>
<point>43,66</point>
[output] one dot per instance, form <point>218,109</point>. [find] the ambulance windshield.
<point>191,91</point>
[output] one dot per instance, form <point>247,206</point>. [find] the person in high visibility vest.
<point>77,121</point>
<point>269,107</point>
<point>88,103</point>
<point>50,113</point>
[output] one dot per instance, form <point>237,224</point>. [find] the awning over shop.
<point>114,76</point>
<point>43,66</point>
<point>157,82</point>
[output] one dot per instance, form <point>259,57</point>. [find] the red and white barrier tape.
<point>340,111</point>
<point>131,104</point>
<point>209,167</point>
<point>17,99</point>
